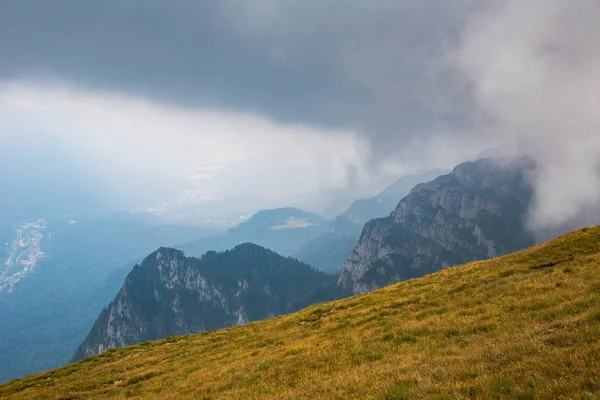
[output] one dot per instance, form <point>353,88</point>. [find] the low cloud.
<point>533,69</point>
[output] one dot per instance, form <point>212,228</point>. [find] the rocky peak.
<point>171,294</point>
<point>475,212</point>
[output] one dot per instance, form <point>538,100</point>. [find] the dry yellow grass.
<point>524,326</point>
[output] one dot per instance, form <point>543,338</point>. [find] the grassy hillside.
<point>524,326</point>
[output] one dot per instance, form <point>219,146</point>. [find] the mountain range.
<point>307,236</point>
<point>283,230</point>
<point>223,279</point>
<point>475,212</point>
<point>329,251</point>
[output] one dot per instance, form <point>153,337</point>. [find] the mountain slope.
<point>171,294</point>
<point>475,212</point>
<point>523,326</point>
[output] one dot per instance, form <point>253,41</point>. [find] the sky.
<point>281,102</point>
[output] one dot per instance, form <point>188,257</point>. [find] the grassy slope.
<point>513,327</point>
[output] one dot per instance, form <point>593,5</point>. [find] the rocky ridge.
<point>171,294</point>
<point>475,212</point>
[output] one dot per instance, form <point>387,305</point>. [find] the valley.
<point>24,254</point>
<point>61,274</point>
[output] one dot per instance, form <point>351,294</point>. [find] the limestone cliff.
<point>475,212</point>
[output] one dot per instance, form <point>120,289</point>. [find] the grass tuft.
<point>397,393</point>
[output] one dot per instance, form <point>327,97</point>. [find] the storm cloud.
<point>370,66</point>
<point>396,86</point>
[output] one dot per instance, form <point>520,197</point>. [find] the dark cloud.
<point>374,66</point>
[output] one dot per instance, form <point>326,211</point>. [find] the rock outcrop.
<point>475,212</point>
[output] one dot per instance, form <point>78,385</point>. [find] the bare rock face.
<point>475,212</point>
<point>171,294</point>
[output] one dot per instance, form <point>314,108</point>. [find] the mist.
<point>146,155</point>
<point>533,70</point>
